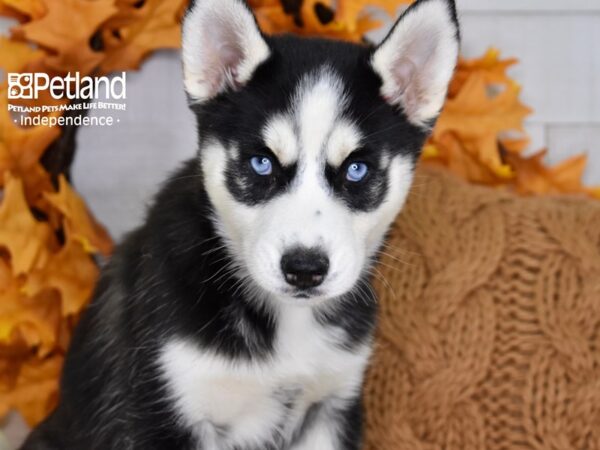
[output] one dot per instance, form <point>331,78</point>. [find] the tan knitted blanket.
<point>489,333</point>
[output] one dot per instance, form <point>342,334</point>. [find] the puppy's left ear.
<point>417,59</point>
<point>222,47</point>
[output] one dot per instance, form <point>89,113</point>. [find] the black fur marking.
<point>351,435</point>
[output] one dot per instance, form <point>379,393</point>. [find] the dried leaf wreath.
<point>48,238</point>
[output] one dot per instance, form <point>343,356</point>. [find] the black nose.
<point>304,267</point>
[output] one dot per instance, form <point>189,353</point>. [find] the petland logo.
<point>67,100</point>
<point>71,87</point>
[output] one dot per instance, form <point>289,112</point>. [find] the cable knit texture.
<point>489,332</point>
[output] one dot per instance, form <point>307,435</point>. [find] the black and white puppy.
<point>240,315</point>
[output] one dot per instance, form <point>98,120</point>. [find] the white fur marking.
<point>343,140</point>
<point>318,103</point>
<point>279,136</point>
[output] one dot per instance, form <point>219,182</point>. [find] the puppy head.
<point>307,146</point>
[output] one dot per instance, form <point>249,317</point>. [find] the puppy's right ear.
<point>222,47</point>
<point>417,58</point>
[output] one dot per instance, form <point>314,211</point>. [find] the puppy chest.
<point>232,403</point>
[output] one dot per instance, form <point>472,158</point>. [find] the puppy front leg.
<point>333,428</point>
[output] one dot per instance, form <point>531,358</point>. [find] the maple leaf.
<point>567,175</point>
<point>271,19</point>
<point>514,144</point>
<point>27,240</point>
<point>134,32</point>
<point>10,13</point>
<point>71,272</point>
<point>34,391</point>
<point>473,112</point>
<point>490,67</point>
<point>460,157</point>
<point>533,176</point>
<point>349,24</point>
<point>478,118</point>
<point>79,223</point>
<point>15,56</point>
<point>66,29</point>
<point>21,149</point>
<point>349,13</point>
<point>23,9</point>
<point>33,321</point>
<point>25,145</point>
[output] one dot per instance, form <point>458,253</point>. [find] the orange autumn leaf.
<point>340,27</point>
<point>514,144</point>
<point>478,118</point>
<point>349,20</point>
<point>475,113</point>
<point>71,272</point>
<point>21,149</point>
<point>134,32</point>
<point>32,9</point>
<point>460,157</point>
<point>10,13</point>
<point>79,223</point>
<point>34,391</point>
<point>27,240</point>
<point>349,13</point>
<point>25,145</point>
<point>490,66</point>
<point>31,320</point>
<point>567,174</point>
<point>66,29</point>
<point>16,55</point>
<point>533,176</point>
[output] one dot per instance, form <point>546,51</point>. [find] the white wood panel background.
<point>535,6</point>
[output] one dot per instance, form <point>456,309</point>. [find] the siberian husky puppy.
<point>240,316</point>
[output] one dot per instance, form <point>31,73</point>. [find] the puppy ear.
<point>222,46</point>
<point>417,58</point>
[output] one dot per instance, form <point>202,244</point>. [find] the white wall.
<point>118,169</point>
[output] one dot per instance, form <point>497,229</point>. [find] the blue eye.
<point>262,165</point>
<point>356,171</point>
